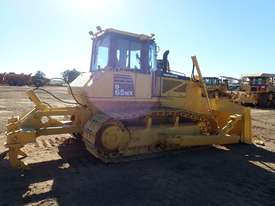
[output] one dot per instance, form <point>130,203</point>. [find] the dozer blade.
<point>233,120</point>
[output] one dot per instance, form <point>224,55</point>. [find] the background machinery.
<point>257,89</point>
<point>234,84</point>
<point>127,105</point>
<point>216,87</point>
<point>13,79</point>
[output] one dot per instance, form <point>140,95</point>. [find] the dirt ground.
<point>64,173</point>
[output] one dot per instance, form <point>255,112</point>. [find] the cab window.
<point>101,53</point>
<point>135,54</point>
<point>123,52</point>
<point>152,58</point>
<point>128,54</point>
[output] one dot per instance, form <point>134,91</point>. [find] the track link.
<point>93,127</point>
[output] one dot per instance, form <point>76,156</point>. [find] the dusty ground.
<point>63,173</point>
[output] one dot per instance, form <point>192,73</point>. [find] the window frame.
<point>144,52</point>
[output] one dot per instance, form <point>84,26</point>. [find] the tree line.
<point>38,79</point>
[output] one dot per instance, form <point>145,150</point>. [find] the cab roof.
<point>259,75</point>
<point>211,77</point>
<point>126,33</point>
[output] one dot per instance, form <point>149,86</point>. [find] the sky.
<point>228,37</point>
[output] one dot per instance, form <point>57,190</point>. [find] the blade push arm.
<point>43,119</point>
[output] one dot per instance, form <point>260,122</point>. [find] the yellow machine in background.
<point>257,89</point>
<point>216,87</point>
<point>129,106</point>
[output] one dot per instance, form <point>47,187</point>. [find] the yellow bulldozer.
<point>127,105</point>
<point>216,87</point>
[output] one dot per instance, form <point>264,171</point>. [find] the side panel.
<point>172,87</point>
<point>118,85</point>
<point>143,85</point>
<point>113,92</point>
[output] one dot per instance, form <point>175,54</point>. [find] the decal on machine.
<point>123,85</point>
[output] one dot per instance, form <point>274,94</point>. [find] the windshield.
<point>212,81</point>
<point>257,81</point>
<point>101,53</point>
<point>123,52</point>
<point>127,54</point>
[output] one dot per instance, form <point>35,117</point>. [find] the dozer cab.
<point>127,105</point>
<point>257,89</point>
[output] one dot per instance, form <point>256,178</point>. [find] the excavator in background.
<point>126,105</point>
